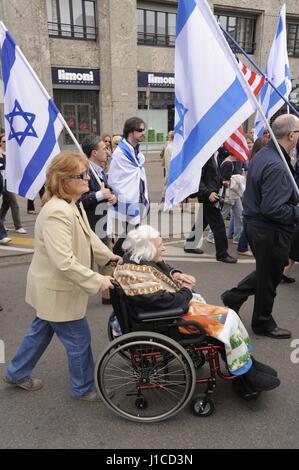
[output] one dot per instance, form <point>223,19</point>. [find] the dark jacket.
<point>210,180</point>
<point>270,199</point>
<point>95,210</point>
<point>159,300</point>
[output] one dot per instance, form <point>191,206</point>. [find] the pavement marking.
<point>22,241</point>
<point>204,260</point>
<point>13,248</point>
<point>174,242</point>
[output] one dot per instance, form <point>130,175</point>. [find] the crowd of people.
<point>72,232</point>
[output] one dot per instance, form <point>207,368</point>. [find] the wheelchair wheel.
<point>202,406</point>
<point>109,332</point>
<point>151,377</point>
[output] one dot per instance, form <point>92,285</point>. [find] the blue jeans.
<point>75,337</point>
<point>230,231</point>
<point>236,220</point>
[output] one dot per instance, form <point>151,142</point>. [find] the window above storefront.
<point>241,27</point>
<point>72,19</point>
<point>156,28</point>
<point>293,37</point>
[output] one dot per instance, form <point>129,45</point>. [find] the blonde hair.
<point>115,141</point>
<point>63,165</point>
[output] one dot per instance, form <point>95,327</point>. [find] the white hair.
<point>138,243</point>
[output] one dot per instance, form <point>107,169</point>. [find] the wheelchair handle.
<point>115,283</point>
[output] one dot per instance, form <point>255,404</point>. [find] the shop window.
<point>156,28</point>
<point>159,117</point>
<point>72,18</point>
<point>241,28</point>
<point>80,111</point>
<point>293,37</point>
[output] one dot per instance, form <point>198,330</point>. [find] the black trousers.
<point>30,202</point>
<point>271,251</point>
<point>211,216</point>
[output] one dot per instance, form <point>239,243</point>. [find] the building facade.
<point>106,60</point>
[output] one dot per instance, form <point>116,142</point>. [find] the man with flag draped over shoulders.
<point>127,179</point>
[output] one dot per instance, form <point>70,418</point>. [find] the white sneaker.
<point>211,240</point>
<point>21,230</point>
<point>5,240</point>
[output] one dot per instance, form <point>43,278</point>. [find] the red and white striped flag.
<point>236,144</point>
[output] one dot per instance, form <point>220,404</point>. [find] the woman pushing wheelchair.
<point>150,284</point>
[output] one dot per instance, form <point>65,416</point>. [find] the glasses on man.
<point>141,129</point>
<point>81,176</point>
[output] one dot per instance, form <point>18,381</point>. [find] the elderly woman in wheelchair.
<point>149,373</point>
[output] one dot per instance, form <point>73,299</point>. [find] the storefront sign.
<point>155,80</point>
<point>72,76</point>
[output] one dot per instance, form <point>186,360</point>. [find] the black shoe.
<point>276,333</point>
<point>227,259</point>
<point>259,366</point>
<point>287,280</point>
<point>259,381</point>
<point>228,301</point>
<point>106,301</point>
<point>243,390</point>
<point>197,251</point>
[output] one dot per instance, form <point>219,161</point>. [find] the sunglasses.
<point>108,141</point>
<point>141,129</point>
<point>81,176</point>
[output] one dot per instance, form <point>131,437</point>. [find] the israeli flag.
<point>32,121</point>
<point>278,72</point>
<point>212,98</point>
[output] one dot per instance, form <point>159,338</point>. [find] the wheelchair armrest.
<point>201,334</point>
<point>168,314</point>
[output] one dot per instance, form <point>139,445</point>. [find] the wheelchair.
<point>149,373</point>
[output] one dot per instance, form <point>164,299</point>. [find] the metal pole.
<point>147,97</point>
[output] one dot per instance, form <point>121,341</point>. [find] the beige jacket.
<point>60,277</point>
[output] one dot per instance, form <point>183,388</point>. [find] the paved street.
<point>49,418</point>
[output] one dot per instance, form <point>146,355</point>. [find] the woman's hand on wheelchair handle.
<point>106,283</point>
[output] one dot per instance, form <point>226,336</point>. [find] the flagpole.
<point>258,69</point>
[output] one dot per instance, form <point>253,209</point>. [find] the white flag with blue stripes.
<point>212,98</point>
<point>32,121</point>
<point>278,72</point>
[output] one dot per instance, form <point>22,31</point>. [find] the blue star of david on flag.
<point>14,121</point>
<point>181,110</point>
